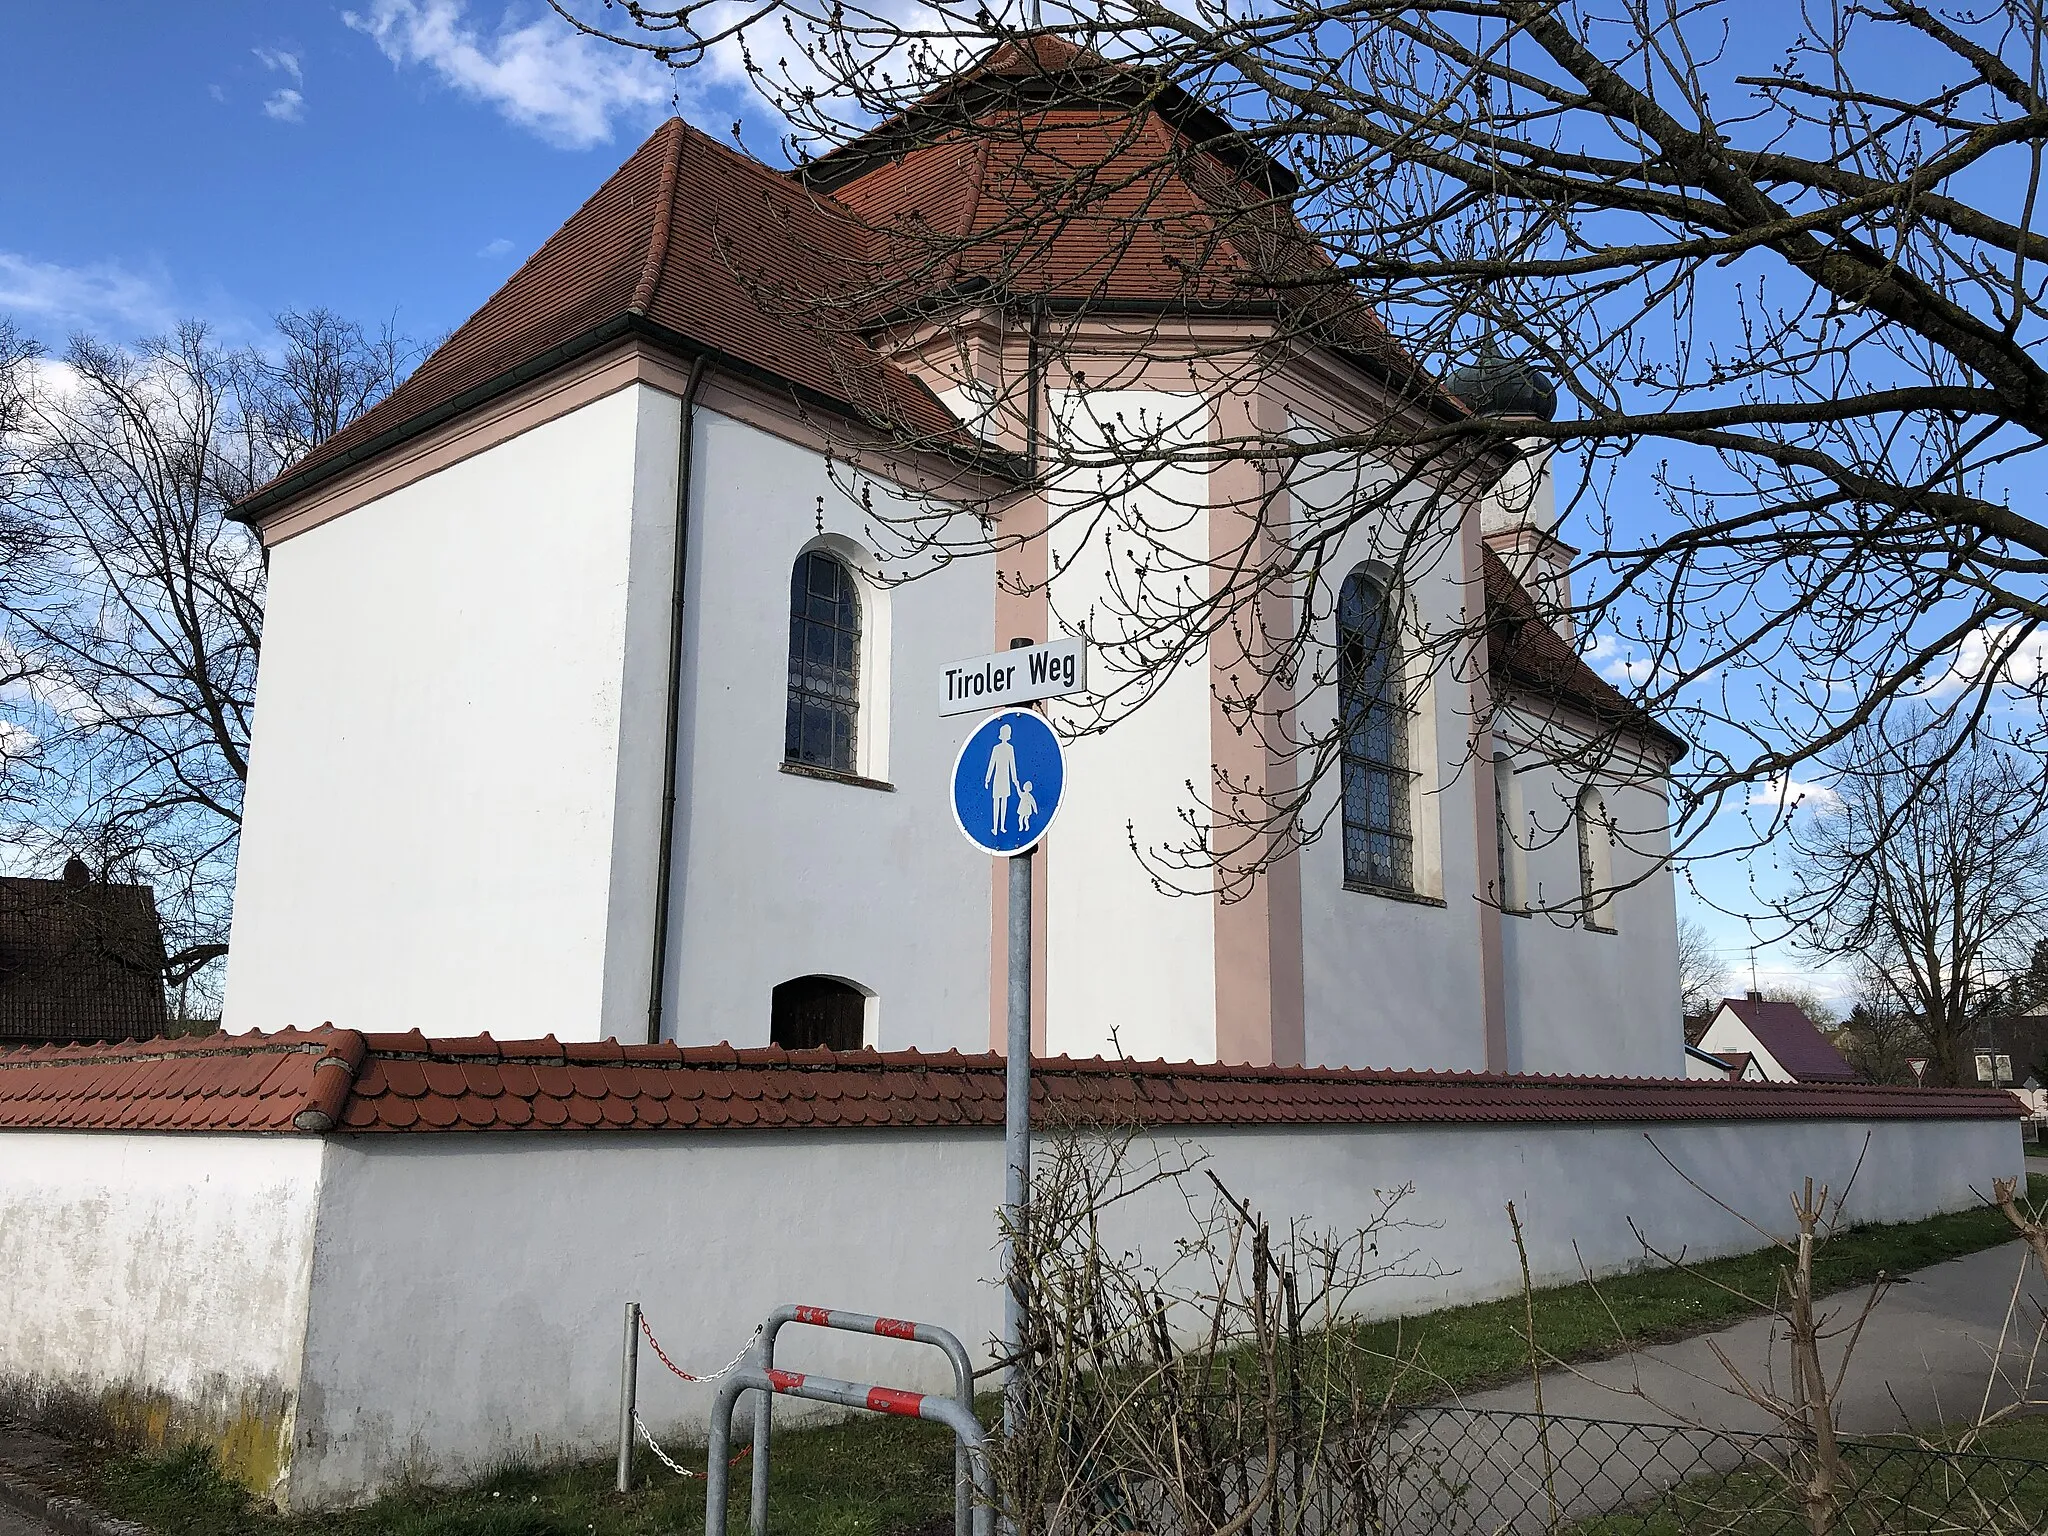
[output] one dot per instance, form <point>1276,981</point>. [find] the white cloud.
<point>288,103</point>
<point>284,63</point>
<point>1790,794</point>
<point>496,248</point>
<point>2017,662</point>
<point>542,75</point>
<point>17,740</point>
<point>1616,665</point>
<point>87,296</point>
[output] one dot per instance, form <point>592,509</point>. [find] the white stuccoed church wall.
<point>1389,982</point>
<point>778,875</point>
<point>1582,1001</point>
<point>454,790</point>
<point>1130,970</point>
<point>457,1302</point>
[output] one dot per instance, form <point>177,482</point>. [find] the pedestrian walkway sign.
<point>1007,782</point>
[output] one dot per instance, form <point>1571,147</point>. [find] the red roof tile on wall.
<point>313,1081</point>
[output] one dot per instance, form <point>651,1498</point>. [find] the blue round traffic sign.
<point>1007,782</point>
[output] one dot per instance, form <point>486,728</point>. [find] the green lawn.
<point>1461,1349</point>
<point>892,1477</point>
<point>1898,1489</point>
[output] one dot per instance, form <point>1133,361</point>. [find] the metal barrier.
<point>968,1435</point>
<point>881,1327</point>
<point>754,1370</point>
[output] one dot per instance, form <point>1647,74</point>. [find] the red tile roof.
<point>1082,182</point>
<point>1051,172</point>
<point>337,1079</point>
<point>691,245</point>
<point>1523,648</point>
<point>1789,1035</point>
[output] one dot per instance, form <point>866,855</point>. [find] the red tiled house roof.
<point>320,1080</point>
<point>691,246</point>
<point>79,960</point>
<point>1789,1035</point>
<point>1528,652</point>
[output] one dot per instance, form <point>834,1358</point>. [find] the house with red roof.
<point>1773,1040</point>
<point>595,701</point>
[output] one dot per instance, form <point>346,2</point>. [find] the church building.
<point>594,704</point>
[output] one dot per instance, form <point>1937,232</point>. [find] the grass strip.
<point>1468,1348</point>
<point>893,1477</point>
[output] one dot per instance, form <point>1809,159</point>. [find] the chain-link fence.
<point>1434,1471</point>
<point>1463,1472</point>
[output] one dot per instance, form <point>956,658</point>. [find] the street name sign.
<point>1007,782</point>
<point>1014,677</point>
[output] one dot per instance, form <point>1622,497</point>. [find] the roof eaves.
<point>290,486</point>
<point>252,508</point>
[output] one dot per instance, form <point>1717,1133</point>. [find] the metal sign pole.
<point>1017,1135</point>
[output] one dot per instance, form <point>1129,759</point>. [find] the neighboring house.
<point>608,567</point>
<point>1727,1066</point>
<point>80,959</point>
<point>2022,1038</point>
<point>1781,1039</point>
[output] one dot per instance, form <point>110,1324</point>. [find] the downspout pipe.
<point>672,728</point>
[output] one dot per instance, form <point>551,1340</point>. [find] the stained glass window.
<point>1379,848</point>
<point>824,663</point>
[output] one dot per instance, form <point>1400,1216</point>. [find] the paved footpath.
<point>1928,1355</point>
<point>1937,1349</point>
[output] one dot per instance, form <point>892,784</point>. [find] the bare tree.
<point>1879,1037</point>
<point>1785,257</point>
<point>135,617</point>
<point>1701,973</point>
<point>1932,871</point>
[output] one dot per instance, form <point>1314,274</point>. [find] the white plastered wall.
<point>1390,982</point>
<point>161,1276</point>
<point>1130,969</point>
<point>468,1290</point>
<point>431,1306</point>
<point>454,792</point>
<point>1580,1000</point>
<point>777,875</point>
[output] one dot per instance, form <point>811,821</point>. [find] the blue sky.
<point>387,159</point>
<point>229,160</point>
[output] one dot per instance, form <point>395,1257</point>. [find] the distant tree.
<point>133,606</point>
<point>2028,991</point>
<point>1701,974</point>
<point>1879,1037</point>
<point>1931,872</point>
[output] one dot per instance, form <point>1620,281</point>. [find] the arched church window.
<point>1596,881</point>
<point>1373,721</point>
<point>810,1011</point>
<point>1506,850</point>
<point>824,663</point>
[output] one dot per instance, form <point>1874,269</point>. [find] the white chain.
<point>659,1454</point>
